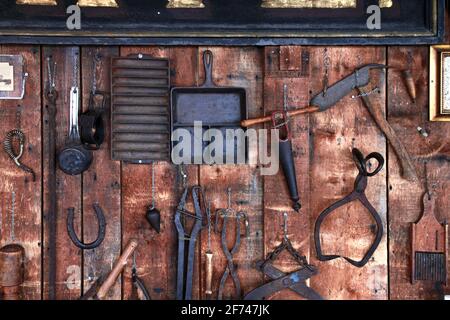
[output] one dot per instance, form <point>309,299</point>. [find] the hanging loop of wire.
<point>8,147</point>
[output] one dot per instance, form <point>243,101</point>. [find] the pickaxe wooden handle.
<point>117,270</point>
<point>407,167</point>
<point>292,113</point>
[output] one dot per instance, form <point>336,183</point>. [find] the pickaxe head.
<point>363,74</point>
<point>360,78</point>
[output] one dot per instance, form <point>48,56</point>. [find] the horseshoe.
<point>101,229</point>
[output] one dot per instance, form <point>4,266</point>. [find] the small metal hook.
<point>285,226</point>
<point>243,215</point>
<point>183,175</point>
<point>285,97</point>
<point>134,266</point>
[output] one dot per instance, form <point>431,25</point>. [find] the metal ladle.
<point>74,158</point>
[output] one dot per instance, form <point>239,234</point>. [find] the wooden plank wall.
<point>325,172</point>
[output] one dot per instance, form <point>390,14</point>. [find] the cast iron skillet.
<point>216,107</point>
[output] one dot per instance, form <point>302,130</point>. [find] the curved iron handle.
<point>357,195</point>
<point>207,62</point>
<point>101,229</point>
<point>139,285</point>
<point>379,233</point>
<point>230,269</point>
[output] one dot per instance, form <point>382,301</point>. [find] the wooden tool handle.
<point>254,122</point>
<point>117,270</point>
<point>209,272</point>
<point>408,170</point>
<point>410,84</point>
<point>293,113</point>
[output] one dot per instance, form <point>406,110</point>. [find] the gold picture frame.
<point>440,83</point>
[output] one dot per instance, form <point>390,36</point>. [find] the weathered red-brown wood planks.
<point>69,257</point>
<point>20,218</point>
<point>322,146</point>
<point>276,193</point>
<point>156,254</point>
<point>235,67</point>
<point>101,184</point>
<point>405,198</point>
<point>348,231</point>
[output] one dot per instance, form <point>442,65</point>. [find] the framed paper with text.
<point>440,83</point>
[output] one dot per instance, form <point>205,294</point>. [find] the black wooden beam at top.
<point>130,26</point>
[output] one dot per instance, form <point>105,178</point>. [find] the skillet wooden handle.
<point>408,170</point>
<point>209,273</point>
<point>293,113</point>
<point>117,270</point>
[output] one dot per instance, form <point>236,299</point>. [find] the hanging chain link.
<point>95,61</point>
<point>51,73</point>
<point>326,64</point>
<point>153,186</point>
<point>365,94</point>
<point>183,175</point>
<point>287,245</point>
<point>19,117</point>
<point>285,226</point>
<point>13,214</point>
<point>208,216</point>
<point>75,69</point>
<point>229,198</point>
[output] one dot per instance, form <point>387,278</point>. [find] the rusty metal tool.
<point>429,246</point>
<point>100,288</point>
<point>281,122</point>
<point>230,269</point>
<point>209,257</point>
<point>8,145</point>
<point>332,95</point>
<point>101,229</point>
<point>406,163</point>
<point>358,194</point>
<point>295,281</point>
<point>185,269</point>
<point>15,156</point>
<point>327,98</point>
<point>429,258</point>
<point>12,259</point>
<point>215,107</point>
<point>140,116</point>
<point>138,284</point>
<point>52,96</point>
